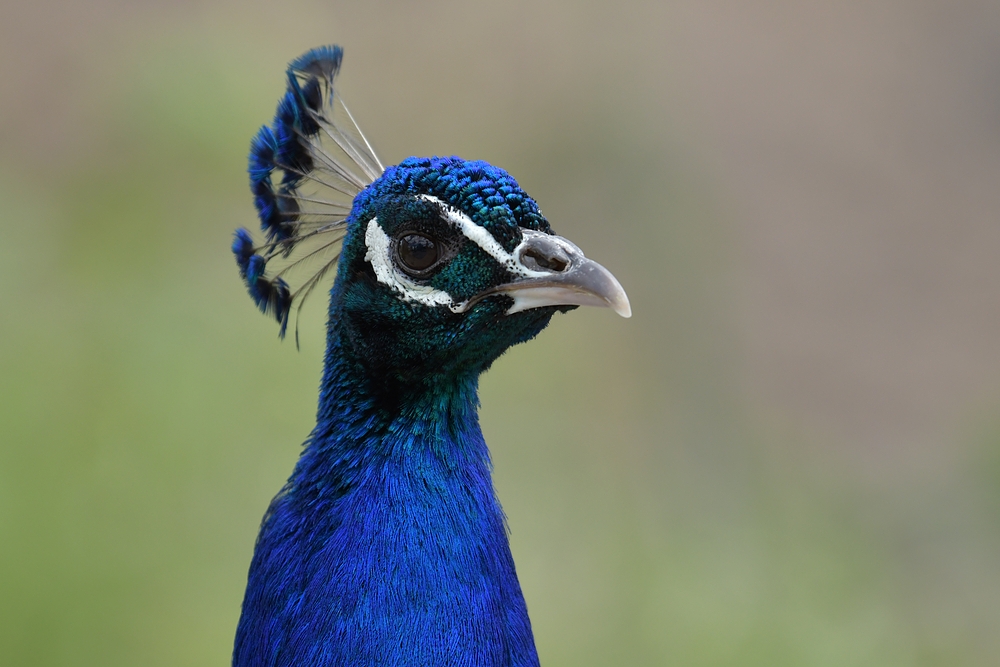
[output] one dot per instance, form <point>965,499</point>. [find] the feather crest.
<point>305,170</point>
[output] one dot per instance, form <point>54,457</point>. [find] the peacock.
<point>387,545</point>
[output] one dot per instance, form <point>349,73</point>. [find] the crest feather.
<point>305,170</point>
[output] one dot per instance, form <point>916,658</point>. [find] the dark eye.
<point>417,253</point>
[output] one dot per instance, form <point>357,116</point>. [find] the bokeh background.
<point>790,455</point>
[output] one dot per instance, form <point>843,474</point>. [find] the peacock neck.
<point>364,420</point>
<point>387,545</point>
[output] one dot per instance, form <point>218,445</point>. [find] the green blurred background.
<point>790,455</point>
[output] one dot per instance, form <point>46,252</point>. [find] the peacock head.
<point>443,263</point>
<point>447,263</point>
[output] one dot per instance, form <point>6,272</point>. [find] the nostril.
<point>535,260</point>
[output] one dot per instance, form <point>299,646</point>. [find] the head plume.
<point>305,170</point>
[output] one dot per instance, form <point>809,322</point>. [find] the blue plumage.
<point>388,546</point>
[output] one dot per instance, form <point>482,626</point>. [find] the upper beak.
<point>553,272</point>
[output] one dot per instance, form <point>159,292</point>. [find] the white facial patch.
<point>477,235</point>
<point>380,249</point>
<point>482,238</point>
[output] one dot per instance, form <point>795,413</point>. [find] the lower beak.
<point>554,272</point>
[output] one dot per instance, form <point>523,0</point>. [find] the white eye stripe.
<point>482,238</point>
<point>379,250</point>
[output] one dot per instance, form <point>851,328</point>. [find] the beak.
<point>553,272</point>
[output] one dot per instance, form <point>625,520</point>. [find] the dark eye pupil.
<point>417,252</point>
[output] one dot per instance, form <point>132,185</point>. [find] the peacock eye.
<point>417,253</point>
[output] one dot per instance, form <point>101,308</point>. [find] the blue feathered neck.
<point>387,546</point>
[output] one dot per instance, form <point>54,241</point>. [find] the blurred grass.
<point>659,516</point>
